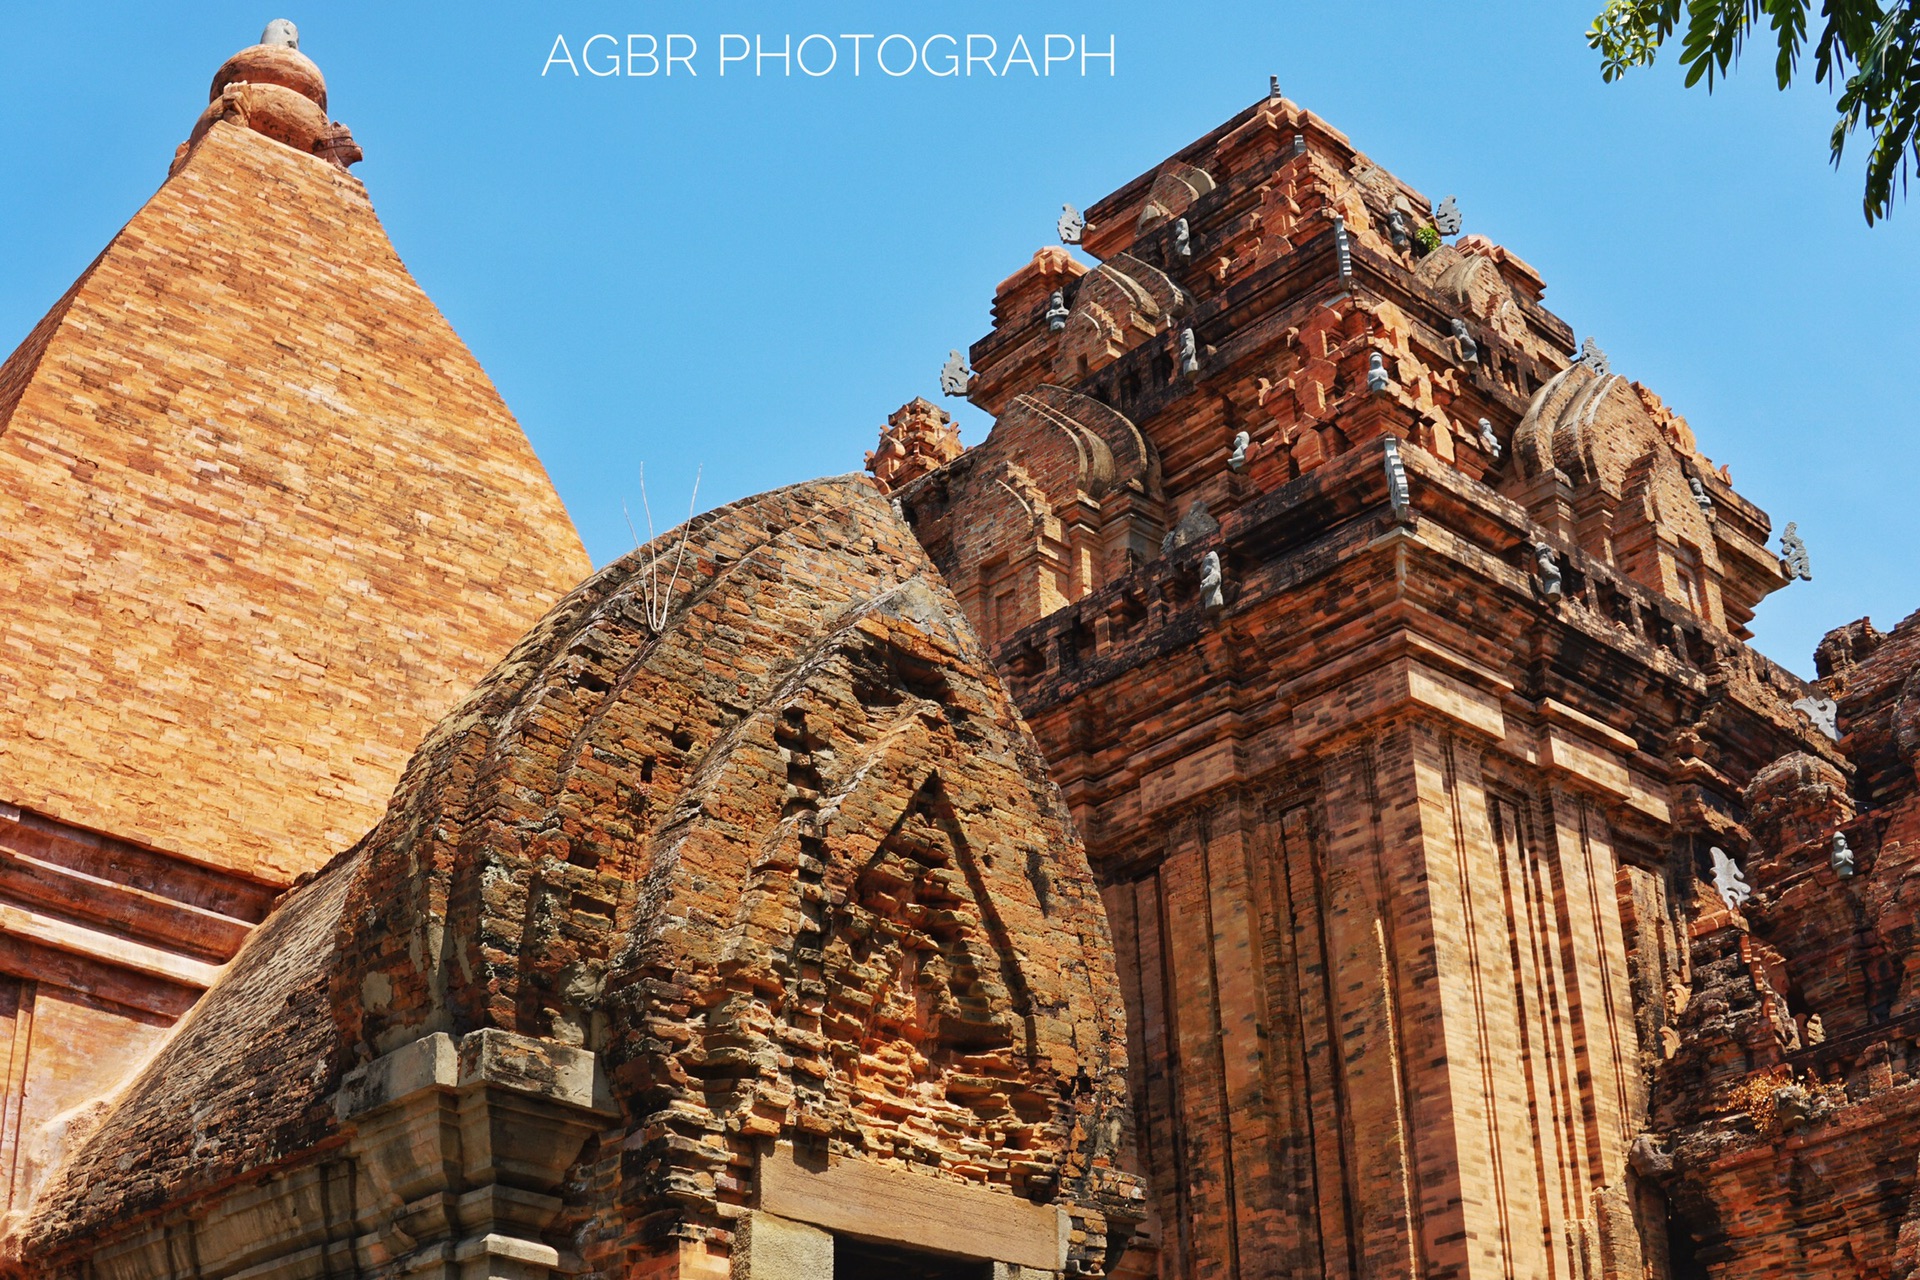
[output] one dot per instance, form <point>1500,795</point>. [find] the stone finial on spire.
<point>274,89</point>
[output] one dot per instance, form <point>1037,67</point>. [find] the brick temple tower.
<point>263,520</point>
<point>1390,648</point>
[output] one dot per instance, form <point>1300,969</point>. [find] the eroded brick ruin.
<point>1295,800</point>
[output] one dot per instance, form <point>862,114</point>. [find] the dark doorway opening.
<point>862,1260</point>
<point>1682,1263</point>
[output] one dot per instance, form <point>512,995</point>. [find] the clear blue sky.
<point>749,274</point>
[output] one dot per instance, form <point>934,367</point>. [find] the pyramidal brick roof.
<point>263,518</point>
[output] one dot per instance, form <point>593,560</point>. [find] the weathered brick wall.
<point>779,853</point>
<point>1400,846</point>
<point>1791,1108</point>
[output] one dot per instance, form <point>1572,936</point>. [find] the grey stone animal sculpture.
<point>1700,498</point>
<point>1189,352</point>
<point>1182,239</point>
<point>1446,219</point>
<point>1071,225</point>
<point>955,377</point>
<point>1489,441</point>
<point>281,32</point>
<point>1793,553</point>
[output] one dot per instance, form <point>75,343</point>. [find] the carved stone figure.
<point>1212,598</point>
<point>281,32</point>
<point>1189,353</point>
<point>1594,358</point>
<point>1342,247</point>
<point>1182,239</point>
<point>1841,858</point>
<point>1057,312</point>
<point>1551,585</point>
<point>1397,228</point>
<point>1700,498</point>
<point>955,377</point>
<point>1469,349</point>
<point>1816,1030</point>
<point>1446,219</point>
<point>1376,374</point>
<point>1824,713</point>
<point>1299,144</point>
<point>1793,553</point>
<point>1273,88</point>
<point>1071,225</point>
<point>1728,880</point>
<point>1237,459</point>
<point>1489,441</point>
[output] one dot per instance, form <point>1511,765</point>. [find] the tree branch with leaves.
<point>1870,53</point>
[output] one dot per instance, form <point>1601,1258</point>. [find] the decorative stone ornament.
<point>1446,219</point>
<point>1212,596</point>
<point>1396,479</point>
<point>1728,880</point>
<point>1342,247</point>
<point>1841,859</point>
<point>1273,88</point>
<point>1057,312</point>
<point>1376,374</point>
<point>1594,358</point>
<point>1401,233</point>
<point>1182,239</point>
<point>1299,144</point>
<point>1469,349</point>
<point>1197,524</point>
<point>1071,225</point>
<point>1824,713</point>
<point>281,32</point>
<point>1793,554</point>
<point>955,377</point>
<point>1552,587</point>
<point>1700,498</point>
<point>1189,353</point>
<point>1237,458</point>
<point>1489,441</point>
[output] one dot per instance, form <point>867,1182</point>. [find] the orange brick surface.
<point>262,520</point>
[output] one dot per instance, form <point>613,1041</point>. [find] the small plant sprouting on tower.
<point>657,600</point>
